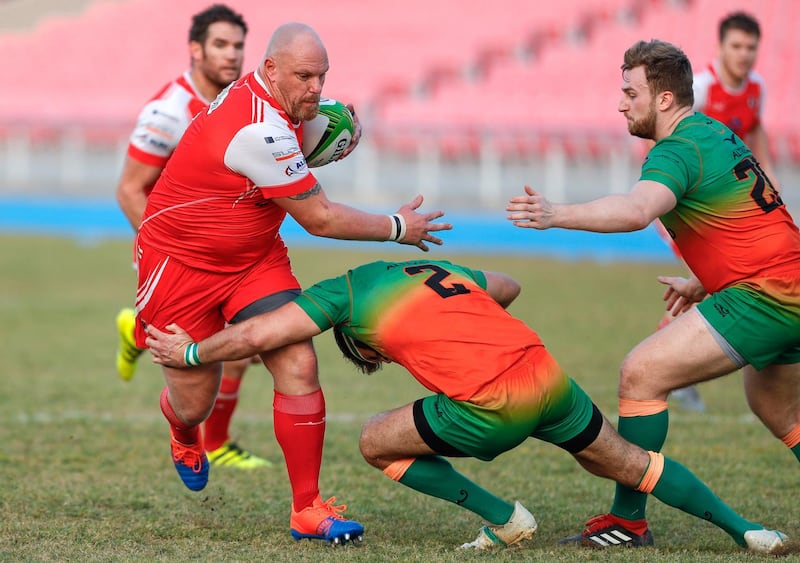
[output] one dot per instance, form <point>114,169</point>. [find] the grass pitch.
<point>85,472</point>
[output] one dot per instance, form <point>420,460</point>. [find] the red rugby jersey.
<point>211,207</point>
<point>740,110</point>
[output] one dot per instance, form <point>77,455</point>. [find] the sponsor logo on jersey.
<point>271,140</point>
<point>158,144</point>
<point>161,132</point>
<point>286,155</point>
<point>722,310</point>
<point>167,115</point>
<point>220,98</point>
<point>739,152</point>
<point>296,168</point>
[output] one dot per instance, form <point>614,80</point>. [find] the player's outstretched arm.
<point>322,217</point>
<point>610,214</point>
<point>286,325</point>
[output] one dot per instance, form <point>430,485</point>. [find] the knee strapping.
<point>397,469</point>
<point>636,407</point>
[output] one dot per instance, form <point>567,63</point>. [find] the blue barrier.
<point>478,233</point>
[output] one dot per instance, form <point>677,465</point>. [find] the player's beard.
<point>645,127</point>
<point>218,78</point>
<point>306,111</point>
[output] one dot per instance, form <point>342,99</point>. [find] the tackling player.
<point>494,385</point>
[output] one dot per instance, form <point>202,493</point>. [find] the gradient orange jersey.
<point>432,317</point>
<point>730,223</point>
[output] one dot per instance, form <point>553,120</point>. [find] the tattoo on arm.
<point>305,195</point>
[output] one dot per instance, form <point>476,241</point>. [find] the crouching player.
<point>494,385</point>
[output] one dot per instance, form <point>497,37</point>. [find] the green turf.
<point>85,472</point>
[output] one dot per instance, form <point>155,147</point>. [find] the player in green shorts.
<point>493,385</point>
<point>739,241</point>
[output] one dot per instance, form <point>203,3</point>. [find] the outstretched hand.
<point>420,225</point>
<point>682,293</point>
<point>530,211</point>
<point>168,348</point>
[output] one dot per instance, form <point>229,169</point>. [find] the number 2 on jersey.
<point>435,280</point>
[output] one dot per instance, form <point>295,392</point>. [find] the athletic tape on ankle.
<point>652,474</point>
<point>190,355</point>
<point>792,438</point>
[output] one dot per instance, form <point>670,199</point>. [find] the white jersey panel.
<point>162,122</point>
<point>268,153</point>
<point>701,82</point>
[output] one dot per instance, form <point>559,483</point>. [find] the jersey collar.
<point>260,89</point>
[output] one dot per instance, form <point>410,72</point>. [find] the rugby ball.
<point>327,136</point>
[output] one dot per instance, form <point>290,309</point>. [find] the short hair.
<point>201,21</point>
<point>348,347</point>
<point>741,21</point>
<point>667,68</point>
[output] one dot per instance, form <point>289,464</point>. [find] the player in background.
<point>209,252</point>
<point>435,318</point>
<point>729,90</point>
<point>738,240</point>
<point>216,49</point>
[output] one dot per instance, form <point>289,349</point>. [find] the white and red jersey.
<point>739,109</point>
<point>163,120</point>
<point>211,207</point>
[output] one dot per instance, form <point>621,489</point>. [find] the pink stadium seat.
<point>576,86</point>
<point>100,66</point>
<point>132,47</point>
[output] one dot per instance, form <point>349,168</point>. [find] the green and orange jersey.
<point>729,223</point>
<point>432,317</point>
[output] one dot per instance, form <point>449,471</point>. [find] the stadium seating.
<point>109,59</point>
<point>573,85</point>
<point>440,72</point>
